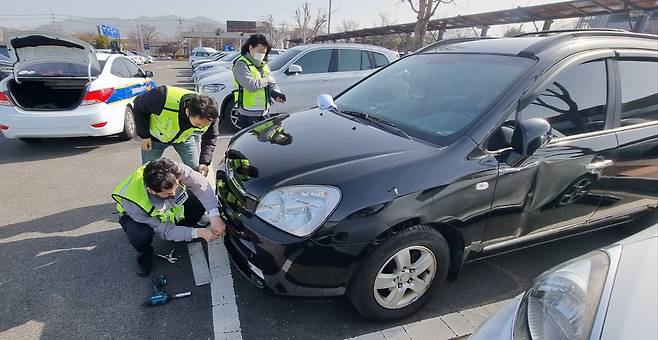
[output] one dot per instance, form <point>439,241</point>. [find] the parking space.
<point>67,270</point>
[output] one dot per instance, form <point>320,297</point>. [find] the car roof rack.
<point>449,42</point>
<point>574,30</point>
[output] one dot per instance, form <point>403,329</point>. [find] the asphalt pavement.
<point>68,272</point>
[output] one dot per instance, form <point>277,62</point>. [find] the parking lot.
<point>67,270</point>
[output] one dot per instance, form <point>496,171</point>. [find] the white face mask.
<point>258,56</point>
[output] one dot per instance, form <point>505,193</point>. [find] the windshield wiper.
<point>382,123</point>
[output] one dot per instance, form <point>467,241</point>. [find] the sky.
<point>365,12</point>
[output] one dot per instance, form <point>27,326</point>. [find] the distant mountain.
<point>168,26</point>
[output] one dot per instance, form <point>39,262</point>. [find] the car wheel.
<point>230,115</point>
<point>129,128</point>
<point>401,275</point>
<point>578,190</point>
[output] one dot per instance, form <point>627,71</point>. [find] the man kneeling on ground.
<point>170,199</point>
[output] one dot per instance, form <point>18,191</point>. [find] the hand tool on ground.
<point>170,258</point>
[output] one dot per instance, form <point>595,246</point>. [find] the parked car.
<point>210,58</point>
<point>439,158</point>
<point>147,58</point>
<point>304,72</point>
<point>5,67</point>
<point>137,59</point>
<point>222,65</point>
<point>201,52</point>
<point>609,293</point>
<point>80,93</point>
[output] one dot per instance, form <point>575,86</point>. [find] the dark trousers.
<point>140,235</point>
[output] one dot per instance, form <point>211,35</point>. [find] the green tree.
<point>102,41</point>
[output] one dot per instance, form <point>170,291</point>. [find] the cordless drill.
<point>160,297</point>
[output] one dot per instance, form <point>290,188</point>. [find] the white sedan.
<point>61,88</point>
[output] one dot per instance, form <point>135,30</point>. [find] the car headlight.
<point>298,210</point>
<point>564,301</point>
<point>212,88</point>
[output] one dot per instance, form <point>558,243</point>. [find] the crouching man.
<point>169,199</point>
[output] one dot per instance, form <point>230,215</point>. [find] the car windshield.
<point>3,51</point>
<point>230,57</point>
<point>434,97</point>
<point>284,58</point>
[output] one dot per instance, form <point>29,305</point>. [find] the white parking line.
<point>443,327</point>
<point>226,320</point>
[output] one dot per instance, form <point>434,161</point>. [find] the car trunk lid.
<point>37,55</point>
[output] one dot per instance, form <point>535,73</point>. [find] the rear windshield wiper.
<point>382,123</point>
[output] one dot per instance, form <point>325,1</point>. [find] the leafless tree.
<point>150,34</point>
<point>309,26</point>
<point>349,25</point>
<point>425,10</point>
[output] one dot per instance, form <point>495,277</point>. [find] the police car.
<point>61,88</point>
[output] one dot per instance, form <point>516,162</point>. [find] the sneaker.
<point>144,263</point>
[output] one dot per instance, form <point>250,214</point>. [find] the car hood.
<point>323,148</point>
<point>29,48</point>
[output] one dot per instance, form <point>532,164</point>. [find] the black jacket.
<point>152,102</point>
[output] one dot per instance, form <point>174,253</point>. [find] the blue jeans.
<point>187,150</point>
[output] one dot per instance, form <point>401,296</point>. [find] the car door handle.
<point>596,167</point>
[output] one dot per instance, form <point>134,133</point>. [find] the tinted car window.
<point>3,51</point>
<point>349,60</point>
<point>284,58</point>
<point>639,91</point>
<point>365,60</point>
<point>133,70</point>
<point>119,68</point>
<point>380,59</point>
<point>576,101</point>
<point>434,97</point>
<point>315,61</point>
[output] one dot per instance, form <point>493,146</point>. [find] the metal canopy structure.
<point>546,13</point>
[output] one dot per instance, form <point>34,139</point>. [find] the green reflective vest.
<point>165,126</point>
<point>257,100</point>
<point>133,189</point>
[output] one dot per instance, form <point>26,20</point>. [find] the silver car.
<point>607,294</point>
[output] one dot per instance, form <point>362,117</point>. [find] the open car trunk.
<point>48,95</point>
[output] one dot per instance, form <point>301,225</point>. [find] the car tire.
<point>230,116</point>
<point>421,242</point>
<point>129,127</point>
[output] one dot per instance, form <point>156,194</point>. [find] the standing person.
<point>255,85</point>
<point>169,199</point>
<point>172,116</point>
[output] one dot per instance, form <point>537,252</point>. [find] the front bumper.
<point>281,263</point>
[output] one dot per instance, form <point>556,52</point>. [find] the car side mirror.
<point>148,74</point>
<point>294,69</point>
<point>530,135</point>
<point>326,102</point>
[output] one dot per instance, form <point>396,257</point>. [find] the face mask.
<point>258,56</point>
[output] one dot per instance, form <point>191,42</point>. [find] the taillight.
<point>98,96</point>
<point>4,127</point>
<point>4,100</point>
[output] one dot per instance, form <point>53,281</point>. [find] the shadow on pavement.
<point>82,285</point>
<point>16,151</point>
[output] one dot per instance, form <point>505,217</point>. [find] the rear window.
<point>55,69</point>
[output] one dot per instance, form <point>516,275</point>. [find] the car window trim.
<point>634,55</point>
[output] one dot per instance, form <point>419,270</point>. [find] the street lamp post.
<point>329,19</point>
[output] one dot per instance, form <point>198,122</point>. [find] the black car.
<point>445,156</point>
